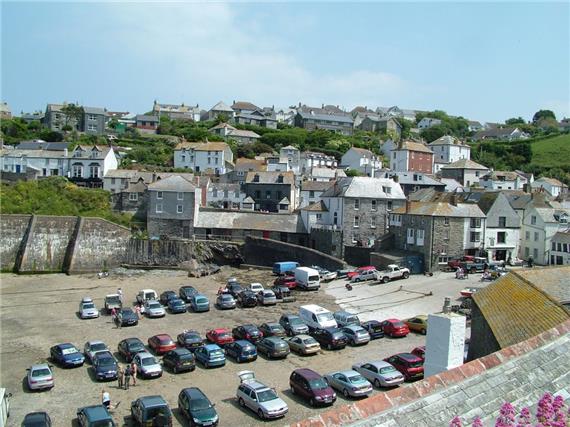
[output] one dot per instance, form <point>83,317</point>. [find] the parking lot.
<point>40,311</point>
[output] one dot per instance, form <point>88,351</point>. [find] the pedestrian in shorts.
<point>134,373</point>
<point>128,373</point>
<point>120,376</point>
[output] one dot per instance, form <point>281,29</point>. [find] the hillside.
<point>552,152</point>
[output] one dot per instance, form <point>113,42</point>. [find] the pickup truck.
<point>113,301</point>
<point>474,266</point>
<point>393,272</point>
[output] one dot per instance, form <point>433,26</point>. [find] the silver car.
<point>93,347</point>
<point>356,335</point>
<point>87,309</point>
<point>267,297</point>
<point>147,365</point>
<point>40,377</point>
<point>226,301</point>
<point>350,383</point>
<point>379,373</point>
<point>153,308</point>
<point>259,398</point>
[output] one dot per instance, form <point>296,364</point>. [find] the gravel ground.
<point>38,311</point>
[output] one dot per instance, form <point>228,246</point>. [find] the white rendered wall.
<point>445,343</point>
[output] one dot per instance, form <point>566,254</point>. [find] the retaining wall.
<point>12,231</point>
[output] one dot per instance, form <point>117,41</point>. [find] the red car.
<point>395,328</point>
<point>220,336</point>
<point>420,352</point>
<point>410,365</point>
<point>286,280</point>
<point>161,343</point>
<point>351,274</point>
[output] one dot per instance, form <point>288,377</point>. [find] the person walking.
<point>120,293</point>
<point>113,314</point>
<point>134,373</point>
<point>106,399</point>
<point>128,373</point>
<point>120,375</point>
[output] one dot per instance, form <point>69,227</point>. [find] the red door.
<point>266,234</point>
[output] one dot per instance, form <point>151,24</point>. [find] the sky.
<point>483,61</point>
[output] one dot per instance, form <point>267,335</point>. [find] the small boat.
<point>468,292</point>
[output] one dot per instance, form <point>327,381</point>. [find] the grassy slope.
<point>552,152</point>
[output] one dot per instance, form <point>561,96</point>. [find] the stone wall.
<point>259,251</point>
<point>327,241</point>
<point>12,229</point>
<point>357,255</point>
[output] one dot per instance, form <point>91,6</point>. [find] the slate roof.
<point>363,152</point>
<point>316,207</point>
<point>94,110</point>
<point>413,146</point>
<point>551,181</point>
<point>173,183</point>
<point>494,133</point>
<point>516,308</point>
<point>462,210</point>
<point>497,175</point>
<point>551,215</point>
<point>243,133</point>
<point>221,106</point>
<point>329,117</point>
<point>552,280</point>
<point>244,105</point>
<point>315,185</point>
<point>270,177</point>
<point>41,145</point>
<point>147,118</point>
<point>365,187</point>
<point>448,140</point>
<point>244,164</point>
<point>324,172</point>
<point>286,223</point>
<point>408,178</point>
<point>465,164</point>
<point>33,153</point>
<point>451,184</point>
<point>203,146</point>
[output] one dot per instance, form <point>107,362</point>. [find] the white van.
<point>316,316</point>
<point>146,295</point>
<point>307,278</point>
<point>4,406</point>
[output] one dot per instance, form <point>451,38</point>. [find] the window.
<point>77,170</point>
<point>216,161</point>
<point>356,221</point>
<point>387,190</point>
<point>475,236</point>
<point>446,234</point>
<point>477,173</point>
<point>527,235</point>
<point>226,194</point>
<point>215,192</point>
<point>502,221</point>
<point>92,117</point>
<point>112,181</point>
<point>501,237</point>
<point>133,197</point>
<point>94,170</point>
<point>268,194</point>
<point>526,252</point>
<point>159,208</point>
<point>159,195</point>
<point>533,220</point>
<point>475,222</point>
<point>335,218</point>
<point>553,246</point>
<point>236,194</point>
<point>356,204</point>
<point>257,194</point>
<point>389,205</point>
<point>535,253</point>
<point>373,222</point>
<point>179,196</point>
<point>179,208</point>
<point>209,160</point>
<point>373,202</point>
<point>446,220</point>
<point>536,236</point>
<point>311,194</point>
<point>319,216</point>
<point>92,128</point>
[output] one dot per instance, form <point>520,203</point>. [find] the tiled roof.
<point>221,106</point>
<point>316,207</point>
<point>244,164</point>
<point>315,185</point>
<point>329,117</point>
<point>496,175</point>
<point>445,209</point>
<point>552,280</point>
<point>243,105</point>
<point>414,146</point>
<point>363,152</point>
<point>465,164</point>
<point>365,187</point>
<point>448,140</point>
<point>517,309</point>
<point>270,177</point>
<point>224,219</point>
<point>173,183</point>
<point>551,181</point>
<point>147,118</point>
<point>243,134</point>
<point>203,146</point>
<point>222,126</point>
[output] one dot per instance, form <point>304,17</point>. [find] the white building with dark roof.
<point>448,149</point>
<point>361,160</point>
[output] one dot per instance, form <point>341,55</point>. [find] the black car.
<point>330,338</point>
<point>247,298</point>
<point>37,419</point>
<point>235,289</point>
<point>176,305</point>
<point>105,366</point>
<point>241,351</point>
<point>293,324</point>
<point>187,292</point>
<point>272,329</point>
<point>180,359</point>
<point>197,408</point>
<point>248,332</point>
<point>281,292</point>
<point>128,317</point>
<point>374,329</point>
<point>190,340</point>
<point>128,347</point>
<point>167,296</point>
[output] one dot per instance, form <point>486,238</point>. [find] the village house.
<point>311,118</point>
<point>502,180</point>
<point>413,181</point>
<point>89,164</point>
<point>220,109</point>
<point>506,134</point>
<point>204,157</point>
<point>292,156</point>
<point>448,149</point>
<point>272,191</point>
<point>256,118</point>
<point>241,168</point>
<point>5,112</point>
<point>224,196</point>
<point>324,174</point>
<point>177,111</point>
<point>311,192</point>
<point>465,171</point>
<point>361,160</point>
<point>93,121</point>
<point>552,186</point>
<point>428,122</point>
<point>147,123</point>
<point>474,126</point>
<point>228,131</point>
<point>539,225</point>
<point>383,125</point>
<point>560,249</point>
<point>397,112</point>
<point>311,159</point>
<point>410,156</point>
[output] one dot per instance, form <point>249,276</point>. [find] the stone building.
<point>272,191</point>
<point>465,171</point>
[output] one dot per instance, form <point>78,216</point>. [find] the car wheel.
<point>292,390</point>
<point>260,414</point>
<point>423,331</point>
<point>312,402</point>
<point>405,275</point>
<point>377,383</point>
<point>241,402</point>
<point>385,279</point>
<point>329,346</point>
<point>345,393</point>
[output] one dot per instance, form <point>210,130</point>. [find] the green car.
<point>91,416</point>
<point>197,408</point>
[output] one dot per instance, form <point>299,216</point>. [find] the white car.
<point>267,297</point>
<point>146,295</point>
<point>256,287</point>
<point>153,308</point>
<point>366,275</point>
<point>379,373</point>
<point>87,309</point>
<point>147,365</point>
<point>260,398</point>
<point>40,377</point>
<point>93,347</point>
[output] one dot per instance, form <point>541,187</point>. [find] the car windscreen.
<point>106,361</point>
<point>165,340</point>
<point>68,351</point>
<point>88,305</point>
<point>98,346</point>
<point>398,324</point>
<point>375,328</point>
<point>134,346</point>
<point>354,379</point>
<point>216,353</point>
<point>201,300</point>
<point>186,357</point>
<point>296,321</point>
<point>266,396</point>
<point>199,404</point>
<point>225,334</point>
<point>325,317</point>
<point>154,305</point>
<point>309,340</point>
<point>387,370</point>
<point>227,298</point>
<point>177,302</point>
<point>113,300</point>
<point>417,364</point>
<point>314,278</point>
<point>147,361</point>
<point>317,384</point>
<point>41,372</point>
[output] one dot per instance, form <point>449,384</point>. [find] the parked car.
<point>220,336</point>
<point>225,301</point>
<point>393,272</point>
<point>197,408</point>
<point>40,377</point>
<point>190,340</point>
<point>343,273</point>
<point>147,365</point>
<point>344,318</point>
<point>293,324</point>
<point>330,338</point>
<point>161,343</point>
<point>365,275</point>
<point>151,411</point>
<point>311,386</point>
<point>420,352</point>
<point>235,289</point>
<point>87,309</point>
<point>283,293</point>
<point>95,416</point>
<point>374,329</point>
<point>113,301</point>
<point>272,329</point>
<point>303,344</point>
<point>176,305</point>
<point>410,365</point>
<point>256,287</point>
<point>247,332</point>
<point>349,383</point>
<point>199,303</point>
<point>247,298</point>
<point>395,328</point>
<point>167,296</point>
<point>273,347</point>
<point>266,297</point>
<point>128,347</point>
<point>379,373</point>
<point>356,335</point>
<point>92,347</point>
<point>105,366</point>
<point>286,280</point>
<point>187,292</point>
<point>145,295</point>
<point>179,360</point>
<point>259,398</point>
<point>37,419</point>
<point>417,324</point>
<point>152,308</point>
<point>210,355</point>
<point>241,351</point>
<point>351,274</point>
<point>127,317</point>
<point>325,275</point>
<point>67,355</point>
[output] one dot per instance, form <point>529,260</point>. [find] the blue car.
<point>67,355</point>
<point>176,305</point>
<point>241,351</point>
<point>210,355</point>
<point>105,366</point>
<point>93,416</point>
<point>200,303</point>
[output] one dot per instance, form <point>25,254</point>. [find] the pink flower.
<point>455,422</point>
<point>506,416</point>
<point>524,418</point>
<point>477,422</point>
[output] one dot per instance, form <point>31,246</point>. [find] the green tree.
<point>543,114</point>
<point>73,114</point>
<point>515,121</point>
<point>434,132</point>
<point>352,172</point>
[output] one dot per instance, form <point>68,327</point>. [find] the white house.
<point>324,174</point>
<point>311,192</point>
<point>428,122</point>
<point>220,108</point>
<point>216,157</point>
<point>42,162</point>
<point>502,180</point>
<point>447,150</point>
<point>560,248</point>
<point>550,185</point>
<point>292,156</point>
<point>362,160</point>
<point>310,159</point>
<point>540,224</point>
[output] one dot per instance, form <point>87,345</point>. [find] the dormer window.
<point>280,179</point>
<point>256,178</point>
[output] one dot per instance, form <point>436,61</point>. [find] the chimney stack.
<point>408,206</point>
<point>446,305</point>
<point>396,178</point>
<point>453,200</point>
